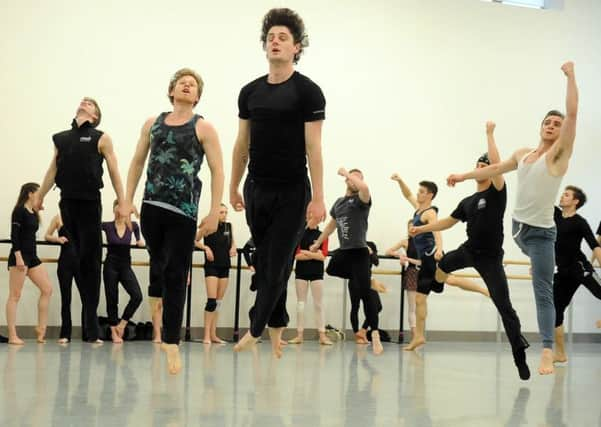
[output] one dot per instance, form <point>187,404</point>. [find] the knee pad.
<point>211,305</point>
<point>218,305</point>
<point>300,306</point>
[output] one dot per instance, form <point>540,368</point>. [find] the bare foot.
<point>546,362</point>
<point>174,363</point>
<point>217,340</point>
<point>283,343</point>
<point>361,337</point>
<point>275,335</point>
<point>296,340</point>
<point>16,341</point>
<point>115,337</point>
<point>415,343</point>
<point>206,341</point>
<point>40,332</point>
<point>246,342</point>
<point>559,357</point>
<point>157,341</point>
<point>376,343</point>
<point>63,341</point>
<point>324,340</point>
<point>120,330</point>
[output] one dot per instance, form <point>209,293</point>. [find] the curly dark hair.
<point>289,19</point>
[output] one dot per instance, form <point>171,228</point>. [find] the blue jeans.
<point>539,245</point>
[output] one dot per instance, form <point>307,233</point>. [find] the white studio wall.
<point>409,85</point>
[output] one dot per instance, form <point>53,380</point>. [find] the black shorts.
<point>309,277</point>
<point>342,261</point>
<point>427,271</point>
<point>215,271</point>
<point>30,260</point>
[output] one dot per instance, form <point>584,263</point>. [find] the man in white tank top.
<point>540,172</point>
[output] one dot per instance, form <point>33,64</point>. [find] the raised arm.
<point>359,184</point>
<point>493,154</point>
<point>440,225</point>
<point>316,210</point>
<point>562,149</point>
<point>405,190</point>
<point>239,162</point>
<point>489,171</point>
<point>210,143</point>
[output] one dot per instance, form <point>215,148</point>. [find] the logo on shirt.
<point>85,139</point>
<point>481,204</point>
<point>351,201</point>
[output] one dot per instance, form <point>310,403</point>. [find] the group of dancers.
<point>279,135</point>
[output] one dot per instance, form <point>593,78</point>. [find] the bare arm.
<point>47,183</point>
<point>489,171</point>
<point>239,162</point>
<point>52,228</point>
<point>328,229</point>
<point>405,190</point>
<point>440,225</point>
<point>597,255</point>
<point>561,151</point>
<point>105,146</point>
<point>137,162</point>
<point>393,251</point>
<point>493,154</point>
<point>316,210</point>
<point>210,143</point>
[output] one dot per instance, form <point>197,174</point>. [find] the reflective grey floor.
<point>458,384</point>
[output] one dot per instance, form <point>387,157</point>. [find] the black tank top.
<point>424,243</point>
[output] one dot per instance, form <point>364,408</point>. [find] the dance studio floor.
<point>445,384</point>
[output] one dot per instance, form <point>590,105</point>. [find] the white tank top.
<point>536,193</point>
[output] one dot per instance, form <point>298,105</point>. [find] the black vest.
<point>78,162</point>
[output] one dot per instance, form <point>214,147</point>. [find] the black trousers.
<point>119,271</point>
<point>357,263</point>
<point>67,271</point>
<point>492,272</point>
<point>81,219</point>
<point>275,214</point>
<point>170,240</point>
<point>567,280</point>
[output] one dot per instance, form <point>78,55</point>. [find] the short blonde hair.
<point>98,112</point>
<point>182,73</point>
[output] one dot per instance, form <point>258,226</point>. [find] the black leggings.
<point>359,267</point>
<point>67,271</point>
<point>170,240</point>
<point>492,272</point>
<point>275,214</point>
<point>566,282</point>
<point>115,271</point>
<point>81,218</point>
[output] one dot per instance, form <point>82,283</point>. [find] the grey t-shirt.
<point>351,215</point>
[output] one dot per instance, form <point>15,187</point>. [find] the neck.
<point>119,221</point>
<point>182,110</point>
<point>80,119</point>
<point>28,205</point>
<point>544,146</point>
<point>280,71</point>
<point>568,211</point>
<point>425,205</point>
<point>481,186</point>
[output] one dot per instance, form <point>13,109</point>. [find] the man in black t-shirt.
<point>483,211</point>
<point>572,267</point>
<point>352,260</point>
<point>281,116</point>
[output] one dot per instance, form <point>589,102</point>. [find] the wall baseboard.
<point>196,333</point>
